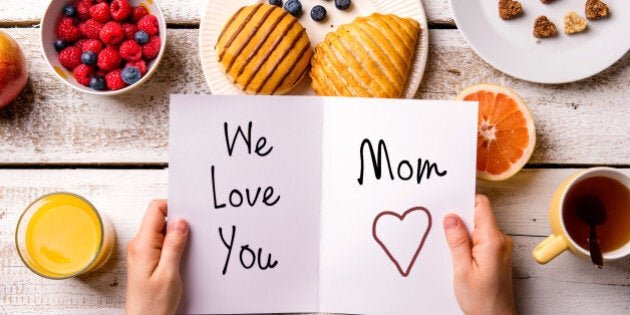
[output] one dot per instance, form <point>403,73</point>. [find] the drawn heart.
<point>402,236</point>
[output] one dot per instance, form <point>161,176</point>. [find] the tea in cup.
<point>607,187</point>
<point>62,235</point>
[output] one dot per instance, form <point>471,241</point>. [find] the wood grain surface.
<point>114,151</point>
<point>52,123</point>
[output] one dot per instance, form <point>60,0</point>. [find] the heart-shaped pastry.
<point>595,9</point>
<point>509,9</point>
<point>573,23</point>
<point>544,28</point>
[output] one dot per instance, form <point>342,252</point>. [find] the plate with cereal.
<point>546,41</point>
<point>366,48</point>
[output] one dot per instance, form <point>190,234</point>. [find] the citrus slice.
<point>506,134</point>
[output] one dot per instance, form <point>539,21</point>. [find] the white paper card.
<point>313,204</point>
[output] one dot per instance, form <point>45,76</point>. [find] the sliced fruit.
<point>506,135</point>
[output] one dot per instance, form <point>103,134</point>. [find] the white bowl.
<point>48,35</point>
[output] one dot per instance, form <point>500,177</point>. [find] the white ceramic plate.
<point>218,11</point>
<point>510,46</point>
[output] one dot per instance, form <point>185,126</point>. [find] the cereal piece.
<point>544,28</point>
<point>595,9</point>
<point>573,23</point>
<point>509,9</point>
<point>546,1</point>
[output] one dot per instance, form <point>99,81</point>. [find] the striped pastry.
<point>264,50</point>
<point>369,57</point>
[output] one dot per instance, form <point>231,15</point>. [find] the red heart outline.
<point>404,273</point>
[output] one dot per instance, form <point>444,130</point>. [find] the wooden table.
<point>114,151</point>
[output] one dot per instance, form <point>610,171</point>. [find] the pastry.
<point>595,9</point>
<point>544,28</point>
<point>264,50</point>
<point>573,23</point>
<point>369,57</point>
<point>509,9</point>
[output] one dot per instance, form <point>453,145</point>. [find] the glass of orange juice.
<point>62,235</point>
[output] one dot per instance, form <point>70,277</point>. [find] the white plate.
<point>509,45</point>
<point>218,12</point>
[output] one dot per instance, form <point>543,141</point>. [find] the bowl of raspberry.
<point>103,47</point>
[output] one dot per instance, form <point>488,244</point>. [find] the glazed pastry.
<point>264,50</point>
<point>369,57</point>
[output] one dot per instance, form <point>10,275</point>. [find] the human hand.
<point>154,284</point>
<point>482,268</point>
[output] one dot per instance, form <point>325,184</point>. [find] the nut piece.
<point>573,23</point>
<point>509,9</point>
<point>544,28</point>
<point>546,1</point>
<point>595,9</point>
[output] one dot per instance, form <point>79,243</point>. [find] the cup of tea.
<point>62,235</point>
<point>610,189</point>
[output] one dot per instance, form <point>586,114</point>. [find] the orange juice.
<point>62,235</point>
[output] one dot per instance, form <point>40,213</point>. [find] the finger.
<point>143,251</point>
<point>458,243</point>
<point>485,222</point>
<point>154,220</point>
<point>174,243</point>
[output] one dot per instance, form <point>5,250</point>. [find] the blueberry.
<point>69,11</point>
<point>60,44</point>
<point>141,37</point>
<point>318,13</point>
<point>294,7</point>
<point>276,2</point>
<point>131,75</point>
<point>88,58</point>
<point>97,82</point>
<point>342,4</point>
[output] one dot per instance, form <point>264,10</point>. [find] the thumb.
<point>458,242</point>
<point>174,243</point>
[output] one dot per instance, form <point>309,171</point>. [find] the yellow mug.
<point>612,188</point>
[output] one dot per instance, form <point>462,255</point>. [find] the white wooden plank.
<point>51,123</point>
<point>566,285</point>
<point>176,12</point>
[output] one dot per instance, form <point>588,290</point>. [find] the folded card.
<point>312,204</point>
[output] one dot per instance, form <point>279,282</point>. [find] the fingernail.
<point>180,226</point>
<point>450,222</point>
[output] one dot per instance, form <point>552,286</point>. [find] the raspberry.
<point>83,10</point>
<point>120,9</point>
<point>94,45</point>
<point>149,24</point>
<point>114,80</point>
<point>108,59</point>
<point>130,50</point>
<point>90,28</point>
<point>130,30</point>
<point>83,74</point>
<point>112,33</point>
<point>80,43</point>
<point>70,57</point>
<point>140,64</point>
<point>100,12</point>
<point>151,49</point>
<point>138,13</point>
<point>67,31</point>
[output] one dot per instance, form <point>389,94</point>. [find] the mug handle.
<point>548,249</point>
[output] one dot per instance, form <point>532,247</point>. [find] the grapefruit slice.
<point>506,135</point>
